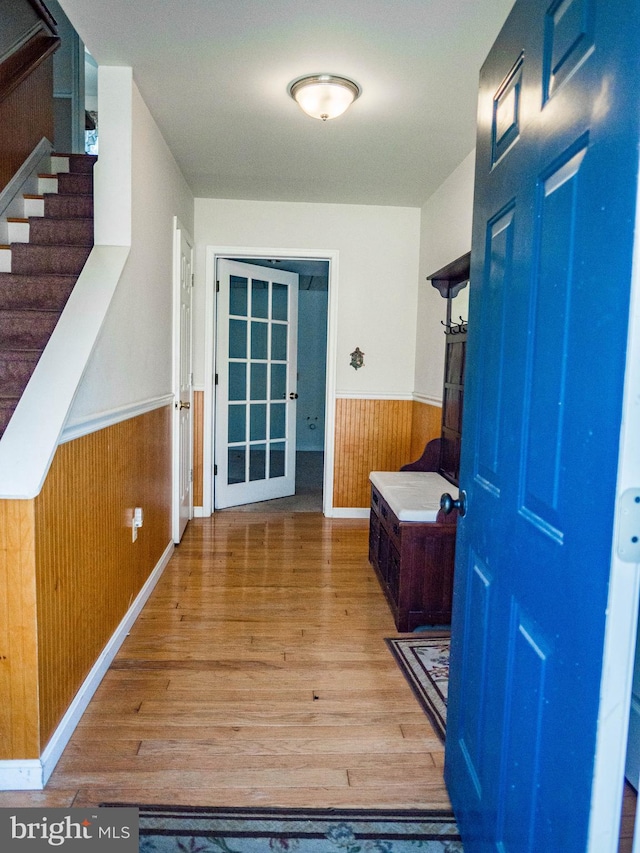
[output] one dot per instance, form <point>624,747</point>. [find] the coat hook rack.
<point>454,328</point>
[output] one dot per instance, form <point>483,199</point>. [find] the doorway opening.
<point>312,376</point>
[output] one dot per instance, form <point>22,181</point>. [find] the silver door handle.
<point>182,405</point>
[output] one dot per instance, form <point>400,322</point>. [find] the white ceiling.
<point>214,74</point>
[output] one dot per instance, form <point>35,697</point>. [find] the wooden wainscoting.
<point>426,424</point>
<point>371,435</point>
<point>198,447</point>
<point>18,632</point>
<point>88,570</point>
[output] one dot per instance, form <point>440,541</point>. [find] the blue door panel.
<point>473,720</point>
<point>492,373</point>
<point>568,40</point>
<point>552,247</point>
<point>527,660</point>
<point>551,318</point>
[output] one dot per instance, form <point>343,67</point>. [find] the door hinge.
<point>191,379</point>
<point>217,287</point>
<point>215,470</point>
<point>216,380</point>
<point>191,476</point>
<point>193,279</point>
<point>629,526</point>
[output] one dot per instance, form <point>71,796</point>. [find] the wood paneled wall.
<point>198,447</point>
<point>26,115</point>
<point>371,435</point>
<point>18,632</point>
<point>28,39</point>
<point>88,569</point>
<point>69,570</point>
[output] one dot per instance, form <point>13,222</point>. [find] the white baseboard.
<point>348,512</point>
<point>198,512</point>
<point>32,774</point>
<point>21,775</point>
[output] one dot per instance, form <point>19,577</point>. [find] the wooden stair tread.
<point>35,197</point>
<point>17,219</point>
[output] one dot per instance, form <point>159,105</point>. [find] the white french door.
<point>255,435</point>
<point>183,386</point>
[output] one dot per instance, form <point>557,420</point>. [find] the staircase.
<point>48,249</point>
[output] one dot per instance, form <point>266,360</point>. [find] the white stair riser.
<point>47,185</point>
<point>33,207</point>
<point>18,232</point>
<point>59,164</point>
<point>5,260</point>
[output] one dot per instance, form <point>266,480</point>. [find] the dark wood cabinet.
<point>411,540</point>
<point>413,561</point>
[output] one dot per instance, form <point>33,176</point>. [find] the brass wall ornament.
<point>357,358</point>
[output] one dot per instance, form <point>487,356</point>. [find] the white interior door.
<point>256,381</point>
<point>183,387</point>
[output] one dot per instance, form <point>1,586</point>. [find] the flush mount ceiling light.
<point>324,96</point>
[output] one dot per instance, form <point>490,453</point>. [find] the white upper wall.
<point>132,360</point>
<point>378,276</point>
<point>445,234</point>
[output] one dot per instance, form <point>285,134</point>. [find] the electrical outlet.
<point>136,522</point>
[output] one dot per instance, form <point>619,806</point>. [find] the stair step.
<point>75,183</point>
<point>28,258</point>
<point>16,367</point>
<point>59,163</point>
<point>47,183</point>
<point>27,330</point>
<point>68,206</point>
<point>17,229</point>
<point>68,232</point>
<point>38,271</point>
<point>78,162</point>
<point>27,292</point>
<point>33,205</point>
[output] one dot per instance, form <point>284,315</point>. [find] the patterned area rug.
<point>424,662</point>
<point>178,830</point>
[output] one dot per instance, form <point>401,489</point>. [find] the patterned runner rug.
<point>164,829</point>
<point>424,662</point>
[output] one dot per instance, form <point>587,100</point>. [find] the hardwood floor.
<point>257,674</point>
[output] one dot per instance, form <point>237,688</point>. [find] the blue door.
<point>554,213</point>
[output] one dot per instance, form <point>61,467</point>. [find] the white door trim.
<point>622,610</point>
<point>247,253</point>
<point>180,233</point>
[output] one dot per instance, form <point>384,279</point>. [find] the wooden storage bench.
<point>412,545</point>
